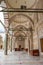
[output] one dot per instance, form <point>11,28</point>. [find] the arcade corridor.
<point>21,32</point>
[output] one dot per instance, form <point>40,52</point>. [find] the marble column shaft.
<point>6,44</point>
<point>11,43</point>
<point>31,44</point>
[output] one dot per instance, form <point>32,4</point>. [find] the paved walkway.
<point>19,58</point>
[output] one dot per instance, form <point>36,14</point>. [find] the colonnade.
<point>11,41</point>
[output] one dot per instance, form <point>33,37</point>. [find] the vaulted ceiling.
<point>25,19</point>
<point>18,3</point>
<point>28,3</point>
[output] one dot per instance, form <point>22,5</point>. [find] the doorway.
<point>41,41</point>
<point>20,48</point>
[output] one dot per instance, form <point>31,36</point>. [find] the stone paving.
<point>19,58</point>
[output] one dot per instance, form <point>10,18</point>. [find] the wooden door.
<point>41,40</point>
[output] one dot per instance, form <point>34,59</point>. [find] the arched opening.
<point>2,30</point>
<point>20,42</point>
<point>21,18</point>
<point>20,37</point>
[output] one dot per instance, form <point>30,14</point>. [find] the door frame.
<point>41,53</point>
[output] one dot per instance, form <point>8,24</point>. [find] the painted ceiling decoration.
<point>18,3</point>
<point>21,18</point>
<point>17,33</point>
<point>20,28</point>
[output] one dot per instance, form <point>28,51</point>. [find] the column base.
<point>5,53</point>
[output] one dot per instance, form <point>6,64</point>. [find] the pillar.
<point>38,45</point>
<point>26,44</point>
<point>31,41</point>
<point>11,43</point>
<point>6,44</point>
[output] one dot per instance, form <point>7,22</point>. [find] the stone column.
<point>38,45</point>
<point>11,43</point>
<point>26,43</point>
<point>37,39</point>
<point>6,44</point>
<point>31,41</point>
